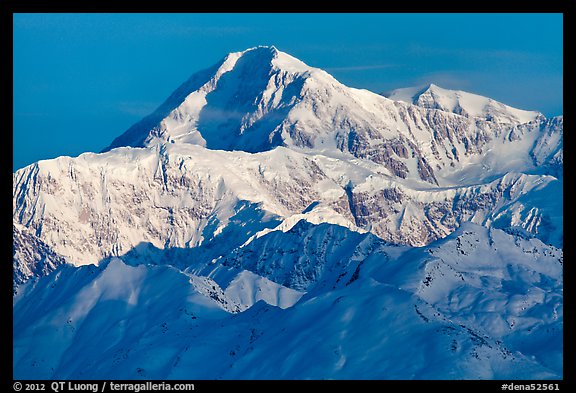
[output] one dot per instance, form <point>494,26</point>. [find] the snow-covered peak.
<point>269,56</point>
<point>261,98</point>
<point>462,103</point>
<point>289,63</point>
<point>216,106</point>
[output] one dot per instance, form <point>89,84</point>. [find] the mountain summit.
<point>262,98</point>
<point>462,103</point>
<point>237,103</point>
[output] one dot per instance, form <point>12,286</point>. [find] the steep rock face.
<point>187,197</point>
<point>31,257</point>
<point>403,215</point>
<point>527,131</point>
<point>97,206</point>
<point>548,149</point>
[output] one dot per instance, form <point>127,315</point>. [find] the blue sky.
<point>80,80</point>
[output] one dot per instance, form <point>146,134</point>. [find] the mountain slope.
<point>445,311</point>
<point>183,196</point>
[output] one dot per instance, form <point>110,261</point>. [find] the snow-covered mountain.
<point>261,98</point>
<point>263,192</point>
<point>185,196</point>
<point>462,103</point>
<point>479,304</point>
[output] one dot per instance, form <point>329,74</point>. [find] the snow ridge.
<point>462,103</point>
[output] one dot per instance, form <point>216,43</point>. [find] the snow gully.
<point>74,386</point>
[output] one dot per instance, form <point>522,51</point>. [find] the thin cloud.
<point>136,108</point>
<point>140,26</point>
<point>213,31</point>
<point>32,114</point>
<point>447,79</point>
<point>348,49</point>
<point>477,54</point>
<point>156,29</point>
<point>361,67</point>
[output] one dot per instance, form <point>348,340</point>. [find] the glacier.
<point>296,228</point>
